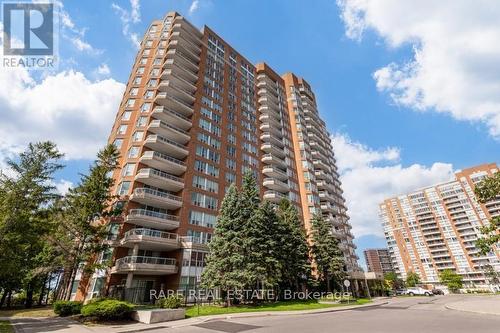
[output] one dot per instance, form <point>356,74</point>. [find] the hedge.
<point>108,309</point>
<point>67,308</point>
<point>171,302</point>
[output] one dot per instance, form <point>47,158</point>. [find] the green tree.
<point>392,281</point>
<point>489,189</point>
<point>326,253</point>
<point>26,196</point>
<point>412,279</point>
<point>451,279</point>
<point>261,241</point>
<point>225,262</point>
<point>82,219</point>
<point>293,250</point>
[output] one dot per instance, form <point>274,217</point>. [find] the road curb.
<point>275,313</point>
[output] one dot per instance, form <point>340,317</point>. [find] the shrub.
<point>67,308</point>
<point>107,309</point>
<point>171,302</point>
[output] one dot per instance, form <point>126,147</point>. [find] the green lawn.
<point>6,327</point>
<point>206,310</point>
<point>34,312</point>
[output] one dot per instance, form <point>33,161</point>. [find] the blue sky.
<point>378,127</point>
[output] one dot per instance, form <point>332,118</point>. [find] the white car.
<point>418,291</point>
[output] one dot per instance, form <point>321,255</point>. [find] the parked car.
<point>400,292</point>
<point>437,292</point>
<point>419,291</point>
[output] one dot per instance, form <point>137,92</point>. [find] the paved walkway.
<point>477,304</point>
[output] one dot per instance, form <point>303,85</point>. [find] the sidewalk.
<point>64,325</point>
<point>489,305</point>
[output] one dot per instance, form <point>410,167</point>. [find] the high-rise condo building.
<point>435,228</point>
<point>378,260</point>
<point>195,116</point>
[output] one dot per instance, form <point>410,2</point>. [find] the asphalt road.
<point>415,314</point>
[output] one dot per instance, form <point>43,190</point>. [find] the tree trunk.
<point>327,276</point>
<point>4,296</point>
<point>42,290</point>
<point>9,299</point>
<point>29,295</point>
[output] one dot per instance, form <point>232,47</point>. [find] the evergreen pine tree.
<point>262,265</point>
<point>293,248</point>
<point>225,262</point>
<point>326,253</point>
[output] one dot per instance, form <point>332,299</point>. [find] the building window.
<point>138,135</point>
<point>134,91</point>
<point>122,130</point>
<point>206,168</point>
<point>133,152</point>
<point>145,107</point>
<point>202,219</point>
<point>118,143</point>
<point>142,121</point>
<point>126,115</point>
<point>130,102</point>
<point>205,184</point>
<point>123,188</point>
<point>128,169</point>
<point>204,201</point>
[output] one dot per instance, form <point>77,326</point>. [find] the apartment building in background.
<point>435,228</point>
<point>378,261</point>
<point>195,116</point>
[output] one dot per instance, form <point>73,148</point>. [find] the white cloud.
<point>71,32</point>
<point>194,6</point>
<point>103,69</point>
<point>455,68</point>
<point>63,186</point>
<point>128,17</point>
<point>369,176</point>
<point>66,108</point>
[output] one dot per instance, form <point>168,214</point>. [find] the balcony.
<point>179,93</point>
<point>145,265</point>
<point>327,207</point>
<point>275,141</point>
<point>152,219</point>
<point>175,102</point>
<point>160,179</point>
<point>169,131</point>
<point>272,149</point>
<point>155,198</point>
<point>274,172</point>
<point>174,67</point>
<point>274,196</point>
<point>183,57</point>
<point>191,242</point>
<point>165,145</point>
<point>188,32</point>
<point>320,164</point>
<point>163,162</point>
<point>178,80</point>
<point>172,117</point>
<point>149,239</point>
<point>275,184</point>
<point>272,159</point>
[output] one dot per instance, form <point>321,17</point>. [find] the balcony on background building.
<point>163,162</point>
<point>152,219</point>
<point>275,184</point>
<point>169,131</point>
<point>165,145</point>
<point>155,198</point>
<point>172,117</point>
<point>274,196</point>
<point>145,265</point>
<point>149,239</point>
<point>160,179</point>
